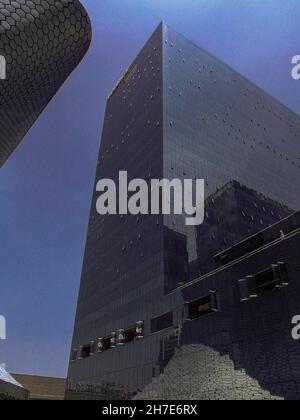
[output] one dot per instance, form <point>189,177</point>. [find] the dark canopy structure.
<point>41,43</point>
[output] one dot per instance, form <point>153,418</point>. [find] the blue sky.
<point>46,186</point>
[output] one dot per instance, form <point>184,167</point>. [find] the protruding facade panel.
<point>41,43</point>
<point>157,297</point>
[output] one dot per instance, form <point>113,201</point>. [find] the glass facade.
<point>180,113</point>
<point>221,128</point>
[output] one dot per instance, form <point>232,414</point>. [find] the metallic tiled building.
<point>149,289</point>
<point>42,41</point>
<point>10,388</point>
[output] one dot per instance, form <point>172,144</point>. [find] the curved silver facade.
<point>41,42</point>
<point>9,387</point>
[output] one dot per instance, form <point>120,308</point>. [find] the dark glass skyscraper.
<point>178,112</point>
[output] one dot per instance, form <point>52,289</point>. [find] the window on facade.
<point>275,277</point>
<point>203,306</point>
<point>106,341</point>
<point>161,322</point>
<point>139,330</point>
<point>130,334</point>
<point>247,288</point>
<point>87,350</point>
<point>113,340</point>
<point>121,337</point>
<point>74,355</point>
<point>265,281</point>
